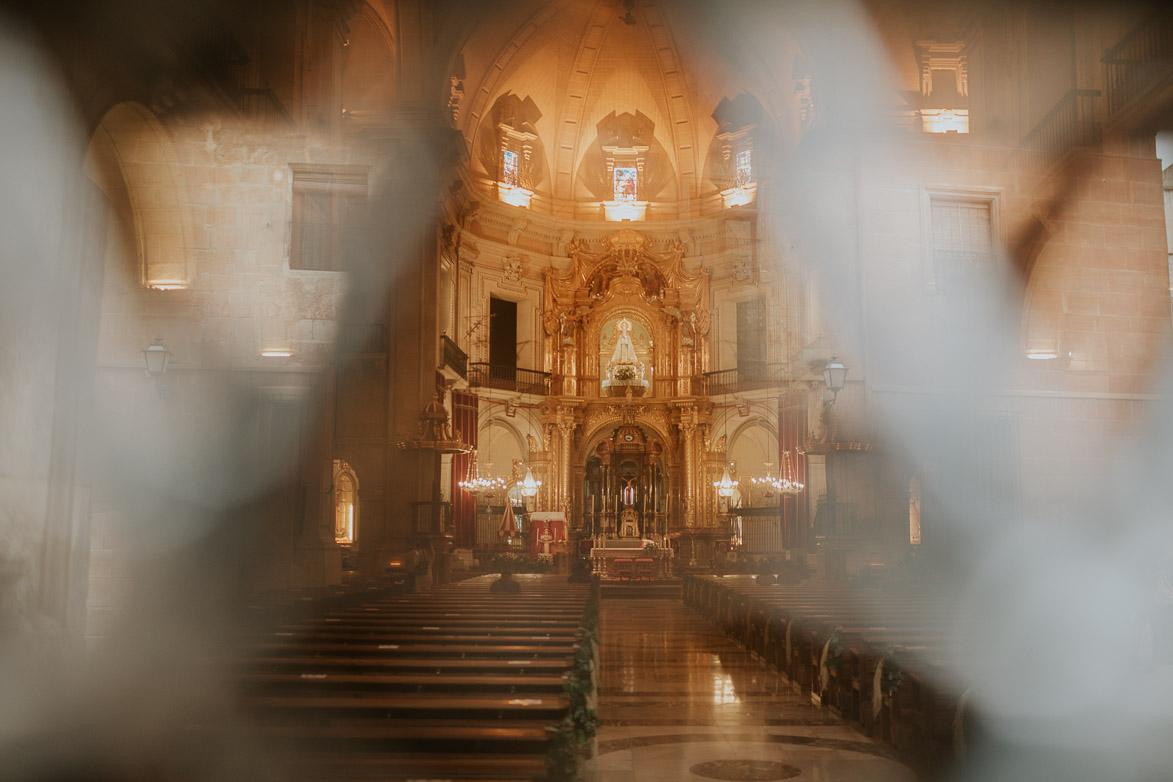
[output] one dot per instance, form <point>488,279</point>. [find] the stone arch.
<point>500,452</point>
<point>603,428</point>
<point>133,161</point>
<point>753,443</point>
<point>1043,289</point>
<point>369,69</point>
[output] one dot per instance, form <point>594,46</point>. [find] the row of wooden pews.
<point>878,659</point>
<point>456,683</point>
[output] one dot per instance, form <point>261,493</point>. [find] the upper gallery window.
<point>327,201</point>
<point>744,169</point>
<point>625,183</point>
<point>509,168</point>
<point>962,248</point>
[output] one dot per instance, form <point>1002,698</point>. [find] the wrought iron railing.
<point>362,338</point>
<point>526,381</point>
<point>453,356</point>
<point>431,518</point>
<point>1071,123</point>
<point>747,377</point>
<point>263,105</point>
<point>1142,59</point>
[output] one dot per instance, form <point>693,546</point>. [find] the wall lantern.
<point>834,375</point>
<point>158,359</point>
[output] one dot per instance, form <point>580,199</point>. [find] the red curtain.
<point>464,505</point>
<point>791,437</point>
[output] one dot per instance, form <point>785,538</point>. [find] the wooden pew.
<point>458,683</point>
<point>828,639</point>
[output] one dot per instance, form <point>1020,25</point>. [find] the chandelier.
<point>785,482</point>
<point>477,486</point>
<point>725,485</point>
<point>529,486</point>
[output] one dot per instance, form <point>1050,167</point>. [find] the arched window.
<point>914,506</point>
<point>345,504</point>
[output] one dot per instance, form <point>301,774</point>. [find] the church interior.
<point>625,390</point>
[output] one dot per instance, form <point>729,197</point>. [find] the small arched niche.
<point>345,504</point>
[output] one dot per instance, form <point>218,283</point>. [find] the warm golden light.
<point>945,120</point>
<point>277,353</point>
<point>738,196</point>
<point>725,485</point>
<point>167,285</point>
<point>620,211</point>
<point>514,196</point>
<point>1041,355</point>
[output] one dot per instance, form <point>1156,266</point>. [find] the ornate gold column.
<point>566,430</point>
<point>688,428</point>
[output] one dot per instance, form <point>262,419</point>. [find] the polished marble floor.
<point>680,701</point>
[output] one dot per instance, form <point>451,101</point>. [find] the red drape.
<point>464,505</point>
<point>791,437</point>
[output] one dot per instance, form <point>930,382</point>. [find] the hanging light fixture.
<point>787,477</point>
<point>477,486</point>
<point>529,486</point>
<point>725,485</point>
<point>769,481</point>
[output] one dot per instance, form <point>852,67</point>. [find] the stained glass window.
<point>625,179</point>
<point>509,168</point>
<point>744,169</point>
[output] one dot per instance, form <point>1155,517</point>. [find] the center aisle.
<point>680,701</point>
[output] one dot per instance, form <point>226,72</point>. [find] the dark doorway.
<point>502,339</point>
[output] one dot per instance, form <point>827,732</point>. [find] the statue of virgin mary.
<point>624,355</point>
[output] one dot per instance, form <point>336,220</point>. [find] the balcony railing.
<point>453,357</point>
<point>1072,123</point>
<point>526,381</point>
<point>1141,60</point>
<point>362,338</point>
<point>744,378</point>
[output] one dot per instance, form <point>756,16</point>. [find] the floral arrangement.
<point>625,373</point>
<point>651,547</point>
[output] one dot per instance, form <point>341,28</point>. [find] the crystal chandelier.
<point>477,486</point>
<point>529,486</point>
<point>725,485</point>
<point>785,483</point>
<point>770,482</point>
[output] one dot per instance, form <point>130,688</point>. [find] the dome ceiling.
<point>581,64</point>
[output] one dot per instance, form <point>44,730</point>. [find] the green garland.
<point>834,653</point>
<point>891,676</point>
<point>562,757</point>
<point>580,726</point>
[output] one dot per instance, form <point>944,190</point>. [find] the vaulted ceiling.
<point>580,61</point>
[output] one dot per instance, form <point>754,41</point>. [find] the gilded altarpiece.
<point>628,336</point>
